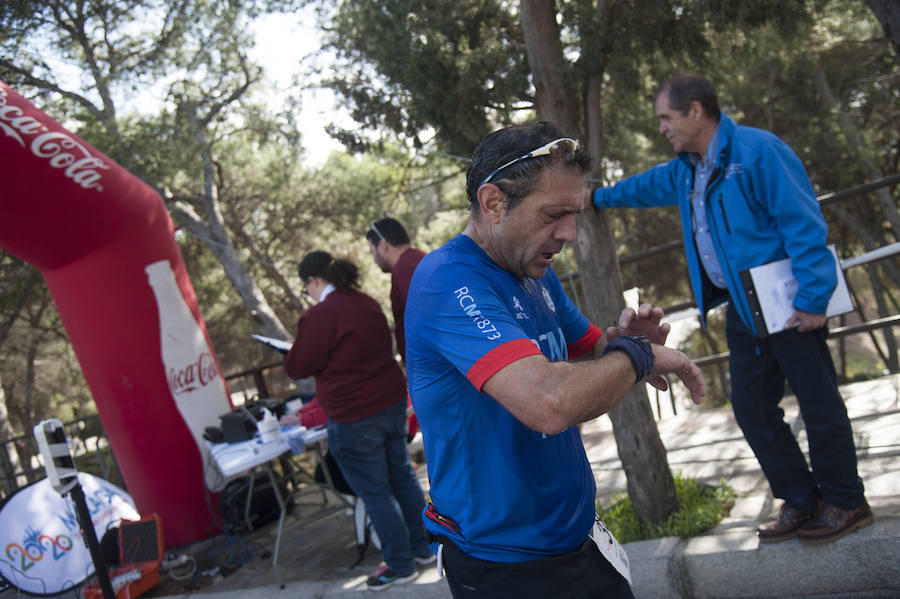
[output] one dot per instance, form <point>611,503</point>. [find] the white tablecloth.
<point>234,458</point>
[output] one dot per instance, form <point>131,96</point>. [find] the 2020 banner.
<point>43,550</point>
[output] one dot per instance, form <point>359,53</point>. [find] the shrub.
<point>702,508</point>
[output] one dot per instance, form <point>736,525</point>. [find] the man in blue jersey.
<point>489,338</point>
<point>745,200</point>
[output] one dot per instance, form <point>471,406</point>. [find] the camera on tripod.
<point>58,462</point>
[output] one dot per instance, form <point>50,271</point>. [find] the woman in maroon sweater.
<point>344,341</point>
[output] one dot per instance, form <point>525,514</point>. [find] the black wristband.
<point>638,349</point>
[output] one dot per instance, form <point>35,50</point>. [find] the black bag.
<point>365,531</point>
<point>263,503</point>
<point>337,477</point>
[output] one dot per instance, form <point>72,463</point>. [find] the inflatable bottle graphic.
<point>192,372</point>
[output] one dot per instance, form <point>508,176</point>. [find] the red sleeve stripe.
<point>586,343</point>
<point>493,361</point>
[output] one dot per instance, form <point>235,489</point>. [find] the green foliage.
<point>279,210</point>
<point>38,368</point>
<point>702,508</point>
<point>84,63</point>
<point>407,67</point>
<point>436,75</point>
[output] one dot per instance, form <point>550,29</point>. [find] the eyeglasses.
<point>542,151</point>
<point>377,232</point>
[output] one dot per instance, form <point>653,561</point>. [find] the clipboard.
<point>771,289</point>
<point>276,344</point>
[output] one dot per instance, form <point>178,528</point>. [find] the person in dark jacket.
<point>746,200</point>
<point>345,343</point>
<point>390,247</point>
<point>391,250</point>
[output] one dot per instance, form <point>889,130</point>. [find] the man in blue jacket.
<point>745,200</point>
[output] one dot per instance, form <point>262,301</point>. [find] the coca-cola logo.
<point>59,148</point>
<point>194,375</point>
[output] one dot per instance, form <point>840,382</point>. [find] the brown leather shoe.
<point>786,527</point>
<point>833,523</point>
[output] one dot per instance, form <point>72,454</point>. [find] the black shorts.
<point>582,574</point>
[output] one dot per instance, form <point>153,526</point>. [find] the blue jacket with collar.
<point>760,207</point>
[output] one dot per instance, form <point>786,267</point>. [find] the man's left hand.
<point>806,321</point>
<point>646,321</point>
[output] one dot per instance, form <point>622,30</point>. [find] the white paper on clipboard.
<point>277,344</point>
<point>776,287</point>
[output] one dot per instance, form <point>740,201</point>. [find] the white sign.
<point>610,548</point>
<point>43,550</point>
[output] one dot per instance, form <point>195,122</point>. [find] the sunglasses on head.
<point>377,232</point>
<point>544,150</point>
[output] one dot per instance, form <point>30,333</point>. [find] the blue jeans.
<point>759,368</point>
<point>374,460</point>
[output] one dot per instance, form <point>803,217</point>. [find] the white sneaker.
<point>426,560</point>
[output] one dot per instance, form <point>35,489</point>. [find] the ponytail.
<point>341,273</point>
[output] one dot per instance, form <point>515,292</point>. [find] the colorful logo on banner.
<point>43,550</point>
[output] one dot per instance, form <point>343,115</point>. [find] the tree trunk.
<point>650,484</point>
<point>213,232</point>
<point>720,391</point>
<point>251,296</point>
<point>850,218</point>
<point>9,457</point>
<point>554,93</point>
<point>295,301</point>
<point>890,357</point>
<point>883,195</point>
<point>858,146</point>
<point>888,14</point>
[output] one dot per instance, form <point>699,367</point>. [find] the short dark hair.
<point>341,273</point>
<point>684,88</point>
<point>520,179</point>
<point>388,229</point>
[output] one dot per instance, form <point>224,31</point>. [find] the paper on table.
<point>776,287</point>
<point>279,344</point>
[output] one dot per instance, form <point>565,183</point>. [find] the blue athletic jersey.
<point>500,490</point>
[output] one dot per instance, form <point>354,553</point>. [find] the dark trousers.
<point>759,368</point>
<point>375,462</point>
<point>582,574</point>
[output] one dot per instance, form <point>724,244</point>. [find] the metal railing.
<point>100,459</point>
<point>89,446</point>
<point>258,373</point>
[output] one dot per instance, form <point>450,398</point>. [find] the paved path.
<point>726,563</point>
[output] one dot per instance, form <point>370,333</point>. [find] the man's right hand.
<point>668,360</point>
<point>805,321</point>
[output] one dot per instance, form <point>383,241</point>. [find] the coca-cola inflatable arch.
<point>104,243</point>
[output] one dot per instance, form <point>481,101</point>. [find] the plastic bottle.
<point>268,427</point>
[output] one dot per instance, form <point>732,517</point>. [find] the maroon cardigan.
<point>345,343</point>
